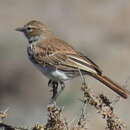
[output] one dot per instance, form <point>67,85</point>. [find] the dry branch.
<point>56,120</point>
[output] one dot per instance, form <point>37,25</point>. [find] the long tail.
<point>112,85</point>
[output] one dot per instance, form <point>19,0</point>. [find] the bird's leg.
<point>82,77</point>
<point>56,89</point>
<point>50,83</point>
<point>62,86</point>
<point>54,85</point>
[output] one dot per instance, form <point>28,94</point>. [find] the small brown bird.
<point>59,61</point>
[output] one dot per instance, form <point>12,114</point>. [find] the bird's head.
<point>35,31</point>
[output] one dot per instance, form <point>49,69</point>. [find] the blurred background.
<point>99,29</point>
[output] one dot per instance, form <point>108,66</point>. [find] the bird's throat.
<point>34,39</point>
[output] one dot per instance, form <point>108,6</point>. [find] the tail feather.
<point>112,85</point>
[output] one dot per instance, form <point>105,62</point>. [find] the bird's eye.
<point>29,29</point>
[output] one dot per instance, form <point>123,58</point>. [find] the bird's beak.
<point>20,29</point>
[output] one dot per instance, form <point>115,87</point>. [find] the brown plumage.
<point>45,50</point>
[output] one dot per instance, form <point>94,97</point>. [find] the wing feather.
<point>63,57</point>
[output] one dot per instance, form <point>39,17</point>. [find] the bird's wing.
<point>63,57</point>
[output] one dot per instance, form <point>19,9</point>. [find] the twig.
<point>55,118</point>
<point>56,121</point>
<point>104,107</point>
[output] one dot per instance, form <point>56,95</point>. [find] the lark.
<point>59,61</point>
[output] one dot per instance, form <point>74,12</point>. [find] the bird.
<point>59,61</point>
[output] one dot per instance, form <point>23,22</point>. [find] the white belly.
<point>59,75</point>
<point>52,73</point>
